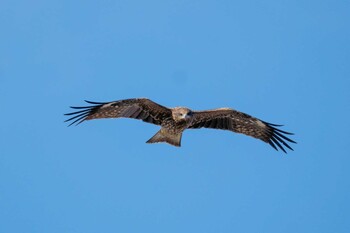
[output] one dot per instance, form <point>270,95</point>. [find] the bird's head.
<point>180,113</point>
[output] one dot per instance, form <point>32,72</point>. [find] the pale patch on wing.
<point>107,105</point>
<point>260,123</point>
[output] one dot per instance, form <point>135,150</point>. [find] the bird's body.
<point>174,121</point>
<point>172,128</point>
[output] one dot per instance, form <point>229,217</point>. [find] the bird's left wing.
<point>239,122</point>
<point>138,108</point>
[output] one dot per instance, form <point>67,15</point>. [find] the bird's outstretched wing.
<point>141,108</point>
<point>229,119</point>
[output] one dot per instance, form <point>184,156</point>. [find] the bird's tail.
<point>164,136</point>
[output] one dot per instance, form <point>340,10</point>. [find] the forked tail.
<point>164,136</point>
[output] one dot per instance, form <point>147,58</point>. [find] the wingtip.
<point>92,102</point>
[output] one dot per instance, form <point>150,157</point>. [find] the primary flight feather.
<point>174,121</point>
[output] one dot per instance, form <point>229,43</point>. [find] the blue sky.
<point>285,62</point>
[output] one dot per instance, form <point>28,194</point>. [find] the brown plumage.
<point>174,121</point>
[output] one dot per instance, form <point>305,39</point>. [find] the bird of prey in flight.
<point>173,121</point>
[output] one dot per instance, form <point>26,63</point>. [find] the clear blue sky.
<point>286,62</point>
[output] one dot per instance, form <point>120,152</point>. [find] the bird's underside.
<point>173,121</point>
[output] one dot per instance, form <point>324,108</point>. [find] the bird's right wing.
<point>141,108</point>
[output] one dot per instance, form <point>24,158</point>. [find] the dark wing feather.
<point>143,109</point>
<point>229,119</point>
